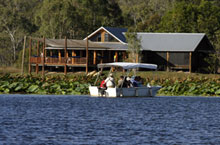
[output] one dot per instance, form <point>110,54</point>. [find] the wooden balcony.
<point>59,61</point>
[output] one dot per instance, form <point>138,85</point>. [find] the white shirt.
<point>110,82</point>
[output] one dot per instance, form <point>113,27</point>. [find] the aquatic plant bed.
<point>78,84</point>
<point>50,85</point>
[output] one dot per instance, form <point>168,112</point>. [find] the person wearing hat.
<point>128,82</point>
<point>110,82</point>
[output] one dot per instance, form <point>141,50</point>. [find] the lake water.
<point>67,120</point>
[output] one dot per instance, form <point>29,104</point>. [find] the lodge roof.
<point>118,32</point>
<point>71,44</point>
<point>81,44</point>
<point>162,42</point>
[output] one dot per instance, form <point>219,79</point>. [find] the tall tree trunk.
<point>13,41</point>
<point>22,63</point>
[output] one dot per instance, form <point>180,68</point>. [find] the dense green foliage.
<point>36,85</point>
<point>190,87</point>
<point>78,85</point>
<point>78,18</point>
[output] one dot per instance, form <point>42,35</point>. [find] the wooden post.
<point>124,55</point>
<point>190,62</point>
<point>116,55</point>
<point>30,45</point>
<point>94,57</point>
<point>59,55</point>
<point>103,36</point>
<point>168,58</point>
<point>73,54</point>
<point>37,65</point>
<point>65,55</point>
<point>22,63</point>
<point>43,59</point>
<point>87,55</point>
<point>45,53</point>
<point>51,53</point>
<point>137,58</point>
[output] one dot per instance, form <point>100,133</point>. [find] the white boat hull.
<point>125,92</point>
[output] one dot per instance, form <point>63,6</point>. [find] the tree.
<point>214,59</point>
<point>190,17</point>
<point>133,12</point>
<point>96,13</point>
<point>56,18</point>
<point>134,46</point>
<point>182,18</point>
<point>14,23</point>
<point>144,15</point>
<point>209,19</point>
<point>113,15</point>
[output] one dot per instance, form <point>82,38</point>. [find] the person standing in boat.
<point>110,82</point>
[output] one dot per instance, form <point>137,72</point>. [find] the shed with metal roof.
<point>176,50</point>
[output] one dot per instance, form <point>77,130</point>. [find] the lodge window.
<point>106,37</point>
<point>112,39</point>
<point>109,38</point>
<point>97,37</point>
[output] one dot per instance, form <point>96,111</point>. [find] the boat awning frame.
<point>128,65</point>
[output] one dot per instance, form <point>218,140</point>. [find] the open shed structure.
<point>179,51</point>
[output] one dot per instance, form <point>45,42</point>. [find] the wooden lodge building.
<point>176,51</point>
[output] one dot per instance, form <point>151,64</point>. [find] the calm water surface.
<point>33,120</point>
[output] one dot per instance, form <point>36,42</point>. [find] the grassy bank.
<point>173,83</point>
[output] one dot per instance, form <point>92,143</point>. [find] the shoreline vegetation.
<point>173,83</point>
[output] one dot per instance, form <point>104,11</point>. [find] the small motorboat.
<point>143,91</point>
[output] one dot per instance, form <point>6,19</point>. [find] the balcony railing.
<point>57,61</point>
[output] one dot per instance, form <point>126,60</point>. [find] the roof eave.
<point>106,31</point>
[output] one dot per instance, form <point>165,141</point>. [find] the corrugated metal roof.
<point>185,42</point>
<point>81,45</point>
<point>60,43</point>
<point>113,45</point>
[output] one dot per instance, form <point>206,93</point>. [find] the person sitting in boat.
<point>134,81</point>
<point>138,80</point>
<point>122,82</point>
<point>102,87</point>
<point>128,82</point>
<point>103,84</point>
<point>110,82</point>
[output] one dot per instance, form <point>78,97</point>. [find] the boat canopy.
<point>127,65</point>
